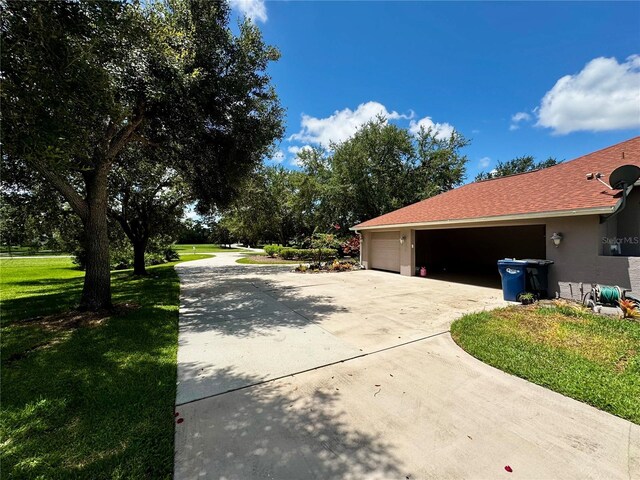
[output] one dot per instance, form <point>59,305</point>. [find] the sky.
<point>547,79</point>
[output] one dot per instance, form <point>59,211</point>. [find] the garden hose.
<point>608,295</point>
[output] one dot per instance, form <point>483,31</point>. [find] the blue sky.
<point>541,79</point>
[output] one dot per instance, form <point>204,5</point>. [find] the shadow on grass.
<point>94,402</point>
<point>277,431</point>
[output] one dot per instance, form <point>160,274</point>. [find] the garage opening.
<point>470,255</point>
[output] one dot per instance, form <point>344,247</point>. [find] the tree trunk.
<point>139,247</point>
<point>96,293</point>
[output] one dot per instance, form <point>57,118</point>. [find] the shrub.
<point>272,250</point>
<point>327,253</point>
<point>338,266</point>
<point>351,246</point>
<point>309,254</point>
<point>303,253</point>
<point>288,253</point>
<point>324,245</point>
<point>170,254</point>
<point>153,258</point>
<point>629,308</point>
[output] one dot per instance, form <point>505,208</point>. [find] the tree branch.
<point>78,204</point>
<point>124,135</point>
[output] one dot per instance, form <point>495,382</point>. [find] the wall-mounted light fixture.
<point>402,239</point>
<point>557,238</point>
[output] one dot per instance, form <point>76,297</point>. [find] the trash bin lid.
<point>537,261</point>
<point>511,261</point>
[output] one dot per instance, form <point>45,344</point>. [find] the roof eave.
<point>496,218</point>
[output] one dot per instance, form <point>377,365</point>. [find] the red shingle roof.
<point>559,188</point>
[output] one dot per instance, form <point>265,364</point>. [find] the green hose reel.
<point>608,295</point>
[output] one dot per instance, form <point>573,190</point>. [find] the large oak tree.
<point>82,81</point>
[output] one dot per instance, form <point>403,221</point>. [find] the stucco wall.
<point>579,261</point>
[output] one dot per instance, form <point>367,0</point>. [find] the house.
<point>462,233</point>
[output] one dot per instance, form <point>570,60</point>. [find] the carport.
<point>471,254</point>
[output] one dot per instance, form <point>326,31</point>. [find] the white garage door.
<point>385,251</point>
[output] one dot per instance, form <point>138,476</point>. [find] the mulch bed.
<point>266,259</point>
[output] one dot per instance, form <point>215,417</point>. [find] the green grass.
<point>26,251</point>
<point>204,248</point>
<point>92,401</point>
<point>588,357</point>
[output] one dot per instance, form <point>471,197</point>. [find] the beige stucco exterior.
<point>582,258</point>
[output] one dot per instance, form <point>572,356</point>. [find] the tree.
<point>193,231</point>
<point>148,200</point>
<point>82,81</point>
<point>266,209</point>
<point>35,215</point>
<point>441,167</point>
<point>517,165</point>
<point>381,168</point>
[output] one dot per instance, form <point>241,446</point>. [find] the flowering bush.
<point>351,246</point>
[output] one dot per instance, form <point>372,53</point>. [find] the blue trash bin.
<point>514,278</point>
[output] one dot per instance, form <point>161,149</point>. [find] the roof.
<point>554,191</point>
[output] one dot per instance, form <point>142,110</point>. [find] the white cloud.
<point>484,162</point>
<point>295,149</point>
<point>520,116</point>
<point>253,9</point>
<point>605,95</point>
<point>342,124</point>
<point>517,118</point>
<point>441,130</point>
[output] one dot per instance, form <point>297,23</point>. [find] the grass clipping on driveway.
<point>91,398</point>
<point>563,347</point>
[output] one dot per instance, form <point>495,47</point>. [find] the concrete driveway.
<point>354,375</point>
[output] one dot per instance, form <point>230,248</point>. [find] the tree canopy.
<point>517,165</point>
<point>382,167</point>
<point>84,81</point>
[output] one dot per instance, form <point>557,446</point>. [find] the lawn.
<point>204,248</point>
<point>563,347</point>
<point>87,400</point>
<point>26,251</point>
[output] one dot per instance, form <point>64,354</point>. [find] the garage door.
<point>385,251</point>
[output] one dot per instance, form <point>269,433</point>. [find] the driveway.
<point>354,375</point>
